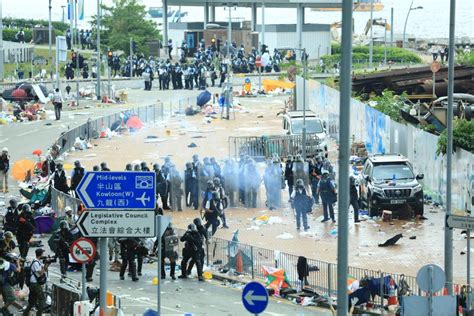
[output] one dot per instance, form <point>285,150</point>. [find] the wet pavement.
<point>260,118</point>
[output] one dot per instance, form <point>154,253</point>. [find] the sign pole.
<point>103,276</point>
<point>158,235</point>
<point>84,293</point>
<point>468,276</point>
<point>344,153</point>
<point>434,85</point>
<point>448,234</point>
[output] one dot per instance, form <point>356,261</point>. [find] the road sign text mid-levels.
<point>118,190</point>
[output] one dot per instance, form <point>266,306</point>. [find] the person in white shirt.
<point>58,103</point>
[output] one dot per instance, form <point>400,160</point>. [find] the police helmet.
<point>137,168</point>
<point>324,172</point>
<point>192,227</point>
<point>156,167</point>
<point>95,168</point>
<point>26,208</point>
<point>189,165</point>
<point>299,183</point>
<point>143,164</point>
<point>197,221</point>
<point>103,165</point>
<point>13,203</point>
<point>210,184</point>
<point>77,163</point>
<point>290,157</point>
<point>129,167</point>
<point>216,181</point>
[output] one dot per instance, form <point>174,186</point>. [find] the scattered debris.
<point>392,241</point>
<point>285,236</point>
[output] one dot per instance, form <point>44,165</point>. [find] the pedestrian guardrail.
<point>239,259</point>
<point>262,147</point>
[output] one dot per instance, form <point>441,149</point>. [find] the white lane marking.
<point>26,133</point>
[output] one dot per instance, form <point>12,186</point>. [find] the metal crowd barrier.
<point>262,147</point>
<point>221,253</point>
<point>93,127</point>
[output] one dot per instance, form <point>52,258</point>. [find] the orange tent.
<point>21,167</point>
<point>270,85</point>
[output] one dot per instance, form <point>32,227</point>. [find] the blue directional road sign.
<point>118,190</point>
<point>255,297</point>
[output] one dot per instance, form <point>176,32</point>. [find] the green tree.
<point>123,20</point>
<point>463,137</point>
<point>390,104</point>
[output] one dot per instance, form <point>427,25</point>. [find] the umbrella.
<point>203,98</point>
<point>134,122</point>
<point>37,152</point>
<point>67,166</point>
<point>19,94</point>
<point>21,167</point>
<point>275,278</point>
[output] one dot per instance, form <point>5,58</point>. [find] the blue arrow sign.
<point>255,298</point>
<point>118,190</point>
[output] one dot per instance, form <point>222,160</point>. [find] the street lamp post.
<point>406,20</point>
<point>228,89</point>
<point>371,44</point>
<point>50,31</point>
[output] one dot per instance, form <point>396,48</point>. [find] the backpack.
<point>28,273</point>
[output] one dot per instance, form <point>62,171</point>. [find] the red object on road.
<point>134,122</point>
<point>37,152</point>
<point>19,94</point>
<point>258,61</point>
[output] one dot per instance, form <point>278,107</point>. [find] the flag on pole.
<point>70,10</point>
<point>80,9</point>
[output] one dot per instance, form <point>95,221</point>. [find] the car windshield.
<point>313,126</point>
<point>389,171</point>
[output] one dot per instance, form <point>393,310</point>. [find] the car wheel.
<point>373,210</point>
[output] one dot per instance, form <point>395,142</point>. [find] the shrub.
<point>463,137</point>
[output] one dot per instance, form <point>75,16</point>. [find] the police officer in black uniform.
<point>128,249</point>
<point>192,249</point>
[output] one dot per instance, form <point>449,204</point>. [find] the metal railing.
<point>260,147</point>
<point>248,261</point>
<point>93,127</point>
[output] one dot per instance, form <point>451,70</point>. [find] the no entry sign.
<point>83,250</point>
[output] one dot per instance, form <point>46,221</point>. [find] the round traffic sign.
<point>435,66</point>
<point>255,298</point>
<point>258,61</point>
<point>83,250</point>
<point>430,278</point>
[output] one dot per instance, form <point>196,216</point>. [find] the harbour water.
<point>430,22</point>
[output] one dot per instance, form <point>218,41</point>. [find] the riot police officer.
<point>128,249</point>
<point>192,249</point>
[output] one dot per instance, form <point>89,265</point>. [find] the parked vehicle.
<point>388,182</point>
<point>293,125</point>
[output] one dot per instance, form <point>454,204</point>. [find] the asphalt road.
<point>186,296</point>
<point>198,298</point>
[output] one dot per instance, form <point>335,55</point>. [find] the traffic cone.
<point>392,298</point>
<point>239,263</point>
<point>103,132</point>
